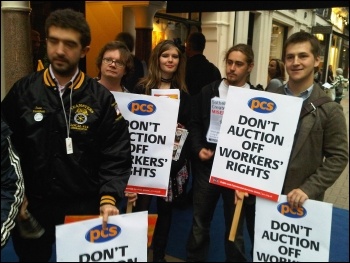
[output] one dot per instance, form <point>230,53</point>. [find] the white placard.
<point>255,141</point>
<point>152,126</point>
<point>124,240</point>
<point>285,235</point>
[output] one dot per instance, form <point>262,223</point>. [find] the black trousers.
<point>162,228</point>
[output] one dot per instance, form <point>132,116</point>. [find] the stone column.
<point>144,26</point>
<point>16,41</point>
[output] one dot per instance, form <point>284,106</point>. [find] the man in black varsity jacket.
<point>75,149</point>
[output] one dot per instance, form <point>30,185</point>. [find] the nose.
<point>233,66</point>
<point>113,63</point>
<point>295,60</point>
<point>60,48</point>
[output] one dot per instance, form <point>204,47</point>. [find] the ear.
<point>250,67</point>
<point>84,51</point>
<point>317,61</point>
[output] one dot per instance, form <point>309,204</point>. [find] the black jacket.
<point>101,159</point>
<point>200,72</point>
<point>12,187</point>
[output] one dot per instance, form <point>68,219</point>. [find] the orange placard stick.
<point>236,216</point>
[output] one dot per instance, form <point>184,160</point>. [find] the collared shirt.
<point>62,88</point>
<point>304,95</point>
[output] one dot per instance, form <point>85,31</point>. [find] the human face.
<point>112,71</point>
<point>64,50</point>
<point>237,69</point>
<point>168,62</point>
<point>300,63</point>
<point>272,68</point>
<point>36,43</point>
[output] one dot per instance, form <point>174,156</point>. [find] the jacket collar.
<point>77,81</point>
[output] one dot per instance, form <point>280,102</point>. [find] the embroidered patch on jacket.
<point>80,113</point>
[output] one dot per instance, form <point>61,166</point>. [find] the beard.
<point>64,69</point>
<point>232,81</point>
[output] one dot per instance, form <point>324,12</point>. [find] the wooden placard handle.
<point>236,216</point>
<point>129,207</point>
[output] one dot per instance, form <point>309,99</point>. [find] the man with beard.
<point>239,62</point>
<point>74,147</point>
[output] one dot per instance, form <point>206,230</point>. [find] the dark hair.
<point>126,38</point>
<point>280,69</point>
<point>300,37</point>
<point>196,41</point>
<point>70,19</point>
<point>125,57</point>
<point>245,49</point>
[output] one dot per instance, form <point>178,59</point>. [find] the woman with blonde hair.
<point>277,74</point>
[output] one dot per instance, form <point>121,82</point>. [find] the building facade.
<point>148,21</point>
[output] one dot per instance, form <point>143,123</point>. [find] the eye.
<point>70,44</point>
<point>119,64</point>
<point>52,40</point>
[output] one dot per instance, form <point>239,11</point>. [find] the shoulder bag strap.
<point>311,107</point>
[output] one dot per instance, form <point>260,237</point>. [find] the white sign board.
<point>255,141</point>
<point>285,235</point>
<point>152,126</point>
<point>124,240</point>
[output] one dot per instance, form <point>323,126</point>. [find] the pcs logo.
<point>142,107</point>
<point>262,105</point>
<point>99,235</point>
<point>286,210</point>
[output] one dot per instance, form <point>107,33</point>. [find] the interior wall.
<point>102,30</point>
<point>129,22</point>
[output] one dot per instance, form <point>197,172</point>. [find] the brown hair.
<point>125,57</point>
<point>300,37</point>
<point>280,70</point>
<point>153,78</point>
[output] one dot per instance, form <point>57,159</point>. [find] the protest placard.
<point>283,234</point>
<point>255,141</point>
<point>152,126</point>
<point>124,239</point>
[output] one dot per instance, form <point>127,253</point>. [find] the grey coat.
<point>320,151</point>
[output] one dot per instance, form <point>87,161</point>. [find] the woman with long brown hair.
<point>166,70</point>
<point>277,74</point>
